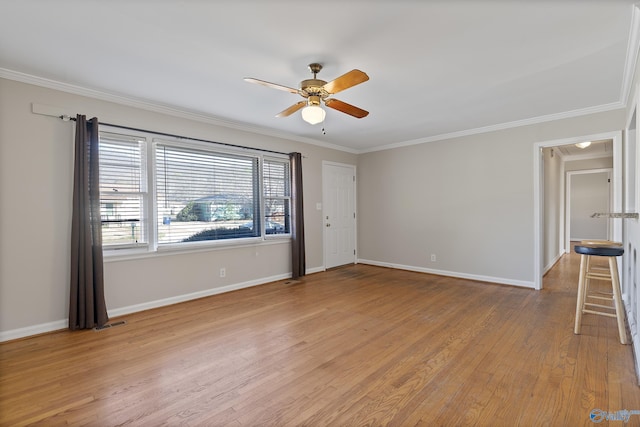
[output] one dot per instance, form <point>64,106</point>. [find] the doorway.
<point>538,190</point>
<point>339,213</point>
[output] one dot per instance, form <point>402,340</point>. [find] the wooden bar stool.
<point>598,269</point>
<point>611,250</point>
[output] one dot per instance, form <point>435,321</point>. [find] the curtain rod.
<point>66,118</point>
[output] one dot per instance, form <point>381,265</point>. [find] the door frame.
<point>355,209</point>
<point>538,192</point>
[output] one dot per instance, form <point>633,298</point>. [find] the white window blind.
<point>205,195</point>
<point>277,196</point>
<point>122,190</point>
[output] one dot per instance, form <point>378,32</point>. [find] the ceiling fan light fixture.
<point>316,90</point>
<point>584,144</point>
<point>313,114</point>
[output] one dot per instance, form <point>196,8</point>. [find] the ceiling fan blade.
<point>345,81</point>
<point>271,85</point>
<point>289,111</point>
<point>352,110</point>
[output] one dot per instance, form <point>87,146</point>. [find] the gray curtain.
<point>87,307</point>
<point>297,218</point>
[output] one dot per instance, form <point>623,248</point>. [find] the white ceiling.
<point>600,148</point>
<point>436,68</point>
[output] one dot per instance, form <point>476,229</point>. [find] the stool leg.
<point>587,281</point>
<point>615,283</point>
<point>580,299</point>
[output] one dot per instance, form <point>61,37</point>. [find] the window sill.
<point>115,255</point>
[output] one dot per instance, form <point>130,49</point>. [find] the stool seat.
<point>590,302</point>
<point>600,242</point>
<point>598,250</point>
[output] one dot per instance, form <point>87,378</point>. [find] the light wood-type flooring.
<point>358,345</point>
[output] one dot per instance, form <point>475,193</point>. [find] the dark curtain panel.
<point>87,307</point>
<point>297,218</point>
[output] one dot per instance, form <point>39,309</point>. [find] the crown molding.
<point>502,126</point>
<point>631,59</point>
<point>160,108</point>
<point>630,63</point>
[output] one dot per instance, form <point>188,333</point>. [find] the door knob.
<point>328,225</point>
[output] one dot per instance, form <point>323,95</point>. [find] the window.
<point>123,190</point>
<point>198,193</point>
<point>277,196</point>
<point>204,195</point>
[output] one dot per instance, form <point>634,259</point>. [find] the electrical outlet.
<point>223,272</point>
<point>433,257</point>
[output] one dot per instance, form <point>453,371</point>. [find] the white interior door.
<point>339,214</point>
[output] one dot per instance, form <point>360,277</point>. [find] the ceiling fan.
<point>316,91</point>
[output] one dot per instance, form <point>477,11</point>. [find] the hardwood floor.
<point>358,345</point>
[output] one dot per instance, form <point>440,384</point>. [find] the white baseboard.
<point>490,279</point>
<point>33,330</point>
<point>635,339</point>
<point>63,324</point>
<point>316,270</point>
<point>195,295</point>
<point>552,263</point>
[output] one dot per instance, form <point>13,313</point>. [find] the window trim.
<point>126,255</point>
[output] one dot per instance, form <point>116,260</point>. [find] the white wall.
<point>553,207</point>
<point>630,266</point>
<point>586,164</point>
<point>589,195</point>
<point>36,154</point>
<point>469,200</point>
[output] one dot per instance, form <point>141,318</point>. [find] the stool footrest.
<point>598,294</point>
<point>601,298</point>
<point>599,313</point>
<point>590,304</point>
<point>591,275</point>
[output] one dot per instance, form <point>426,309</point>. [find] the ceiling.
<point>437,68</point>
<point>599,148</point>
